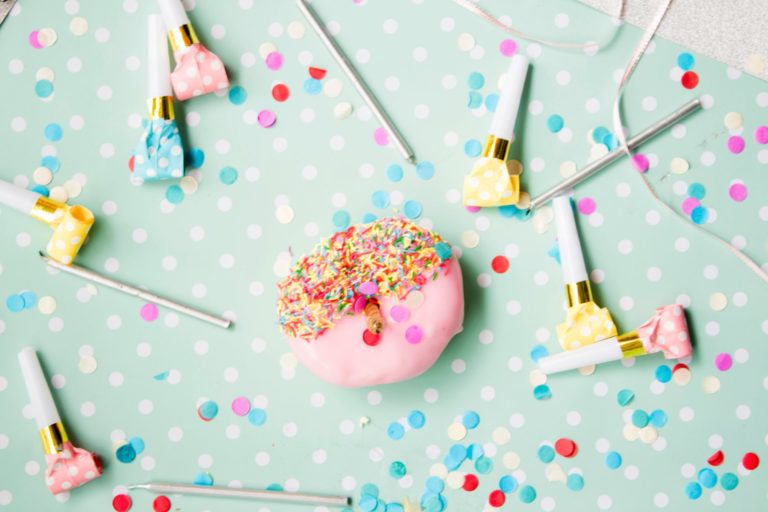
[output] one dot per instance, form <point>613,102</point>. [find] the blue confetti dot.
<point>412,209</point>
<point>527,494</point>
<point>473,148</point>
<point>476,80</point>
<point>707,478</point>
<point>43,88</point>
<point>341,220</point>
<point>425,170</point>
<point>699,215</point>
<point>575,482</point>
<point>237,95</point>
<point>474,99</point>
<point>451,463</point>
<point>125,454</point>
<point>539,351</point>
<point>686,61</point>
<point>137,443</point>
<point>599,133</point>
<point>697,190</point>
<point>416,419</point>
<point>394,507</point>
<point>14,303</point>
<point>458,452</point>
<point>554,253</point>
<point>471,419</point>
<point>394,173</point>
<point>29,298</point>
<point>491,102</point>
<point>435,485</point>
<point>228,175</point>
<point>663,373</point>
<point>613,460</point>
<point>483,465</point>
<point>42,190</point>
<point>658,418</point>
<point>174,194</point>
<point>640,418</point>
<point>397,470</point>
<point>257,416</point>
<point>443,250</point>
<point>433,503</point>
<point>51,163</point>
<point>195,158</point>
<point>610,141</point>
<point>275,487</point>
<point>729,481</point>
<point>395,431</point>
<point>368,503</point>
<point>312,86</point>
<point>161,376</point>
<point>208,410</point>
<point>369,490</point>
<point>53,132</point>
<point>625,396</point>
<point>508,484</point>
<point>369,217</point>
<point>380,199</point>
<point>203,478</point>
<point>475,451</point>
<point>542,392</point>
<point>555,123</point>
<point>693,490</point>
<point>546,453</point>
<point>509,210</point>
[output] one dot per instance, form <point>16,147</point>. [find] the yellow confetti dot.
<point>648,434</point>
<point>47,36</point>
<point>631,432</point>
<point>59,194</point>
<point>91,288</point>
<point>457,432</point>
<point>47,305</point>
<point>408,506</point>
<point>754,64</point>
<point>73,188</point>
<point>682,377</point>
<point>188,184</point>
<point>710,384</point>
<point>525,201</point>
<point>332,88</point>
<point>439,470</point>
<point>537,378</point>
<point>587,370</point>
<point>284,214</point>
<point>514,168</point>
<point>567,168</point>
<point>679,165</point>
<point>511,460</point>
<point>470,239</point>
<point>45,74</point>
<point>42,176</point>
<point>266,48</point>
<point>466,42</point>
<point>78,26</point>
<point>455,479</point>
<point>733,121</point>
<point>718,301</point>
<point>87,364</point>
<point>343,110</point>
<point>501,436</point>
<point>296,30</point>
<point>554,473</point>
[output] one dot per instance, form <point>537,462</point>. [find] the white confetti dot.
<point>743,412</point>
<point>431,395</point>
<point>146,406</point>
<point>686,414</point>
<point>660,499</point>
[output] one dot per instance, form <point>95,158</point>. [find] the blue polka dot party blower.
<point>159,154</point>
<point>491,182</point>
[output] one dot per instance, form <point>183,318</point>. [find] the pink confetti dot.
<point>640,162</point>
<point>508,47</point>
<point>738,192</point>
<point>736,144</point>
<point>359,305</point>
<point>689,204</point>
<point>587,205</point>
<point>381,136</point>
<point>266,118</point>
<point>761,135</point>
<point>399,313</point>
<point>414,334</point>
<point>369,288</point>
<point>149,312</point>
<point>472,209</point>
<point>34,42</point>
<point>723,361</point>
<point>241,406</point>
<point>274,60</point>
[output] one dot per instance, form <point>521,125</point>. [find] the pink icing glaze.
<point>70,468</point>
<point>667,332</point>
<point>340,356</point>
<point>198,71</point>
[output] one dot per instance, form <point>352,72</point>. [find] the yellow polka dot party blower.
<point>585,321</point>
<point>70,224</point>
<point>491,182</point>
<point>159,154</point>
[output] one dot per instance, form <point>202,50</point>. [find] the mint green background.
<point>259,373</point>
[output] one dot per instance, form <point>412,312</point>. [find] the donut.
<point>374,304</point>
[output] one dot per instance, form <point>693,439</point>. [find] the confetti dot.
<point>658,418</point>
<point>625,396</point>
<point>738,192</point>
<point>47,305</point>
<point>161,504</point>
<point>208,410</point>
<point>237,95</point>
<point>241,406</point>
<point>736,144</point>
<point>174,194</point>
<point>640,162</point>
<point>613,460</point>
<point>716,458</point>
<point>149,312</point>
<point>500,264</point>
<point>266,118</point>
<point>14,303</point>
<point>412,209</point>
<point>542,392</point>
<point>565,447</point>
<point>414,334</point>
<point>474,100</point>
<point>274,60</point>
<point>527,494</point>
<point>496,499</point>
<point>380,199</point>
<point>699,215</point>
<point>394,173</point>
<point>457,431</point>
<point>761,134</point>
<point>125,453</point>
<point>546,453</point>
<point>476,80</point>
<point>312,86</point>
<point>257,416</point>
<point>416,419</point>
<point>707,478</point>
<point>280,92</point>
<point>750,461</point>
<point>471,420</point>
<point>121,503</point>
<point>723,361</point>
<point>341,220</point>
<point>203,478</point>
<point>729,481</point>
<point>663,373</point>
<point>425,170</point>
<point>471,482</point>
<point>195,158</point>
<point>397,470</point>
<point>473,148</point>
<point>317,73</point>
<point>679,165</point>
<point>380,136</point>
<point>43,88</point>
<point>53,132</point>
<point>555,123</point>
<point>491,102</point>
<point>587,205</point>
<point>508,47</point>
<point>685,61</point>
<point>689,80</point>
<point>395,431</point>
<point>693,490</point>
<point>575,482</point>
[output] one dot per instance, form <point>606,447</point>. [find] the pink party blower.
<point>666,332</point>
<point>68,466</point>
<point>198,70</point>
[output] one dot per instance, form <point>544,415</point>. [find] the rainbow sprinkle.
<point>392,254</point>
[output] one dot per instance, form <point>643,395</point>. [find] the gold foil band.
<point>53,436</point>
<point>182,37</point>
<point>496,147</point>
<point>578,293</point>
<point>631,345</point>
<point>160,107</point>
<point>49,211</point>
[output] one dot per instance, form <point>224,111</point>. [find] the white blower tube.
<point>503,125</point>
<point>596,353</point>
<point>571,256</point>
<point>173,13</point>
<point>38,390</point>
<point>17,198</point>
<point>158,63</point>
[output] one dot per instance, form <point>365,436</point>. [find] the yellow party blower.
<point>70,224</point>
<point>585,322</point>
<point>490,183</point>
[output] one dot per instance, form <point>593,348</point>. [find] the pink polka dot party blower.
<point>198,70</point>
<point>68,465</point>
<point>666,332</point>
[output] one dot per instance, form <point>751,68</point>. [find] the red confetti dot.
<point>131,163</point>
<point>371,339</point>
<point>317,73</point>
<point>280,92</point>
<point>690,79</point>
<point>121,503</point>
<point>716,458</point>
<point>470,482</point>
<point>500,264</point>
<point>496,498</point>
<point>679,366</point>
<point>565,447</point>
<point>750,461</point>
<point>161,504</point>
